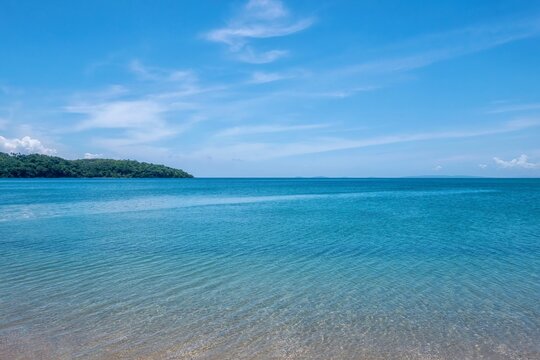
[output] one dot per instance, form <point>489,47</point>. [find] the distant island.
<point>44,166</point>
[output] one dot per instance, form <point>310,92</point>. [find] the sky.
<point>269,88</point>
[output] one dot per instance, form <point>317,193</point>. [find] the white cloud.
<point>438,168</point>
<point>153,73</point>
<point>92,156</point>
<point>521,162</point>
<point>261,77</point>
<point>252,57</point>
<point>514,108</point>
<point>24,145</point>
<point>482,166</point>
<point>265,129</point>
<point>258,19</point>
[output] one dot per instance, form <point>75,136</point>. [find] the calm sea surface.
<point>270,268</point>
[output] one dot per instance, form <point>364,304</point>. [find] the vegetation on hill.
<point>43,166</point>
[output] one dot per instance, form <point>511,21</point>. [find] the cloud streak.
<point>257,151</point>
<point>514,108</point>
<point>262,77</point>
<point>159,74</point>
<point>267,129</point>
<point>451,44</point>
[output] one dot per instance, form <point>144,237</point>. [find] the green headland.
<point>44,166</point>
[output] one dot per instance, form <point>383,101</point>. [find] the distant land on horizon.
<point>444,177</point>
<point>44,166</point>
<point>394,177</point>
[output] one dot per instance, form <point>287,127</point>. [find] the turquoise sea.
<point>270,269</point>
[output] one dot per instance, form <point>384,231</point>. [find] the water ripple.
<point>233,269</point>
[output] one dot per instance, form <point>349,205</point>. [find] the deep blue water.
<point>270,268</point>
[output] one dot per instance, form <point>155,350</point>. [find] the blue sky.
<point>276,88</point>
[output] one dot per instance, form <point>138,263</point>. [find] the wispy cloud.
<point>443,46</point>
<point>266,129</point>
<point>340,93</point>
<point>10,90</point>
<point>250,56</point>
<point>119,114</point>
<point>139,121</point>
<point>258,19</point>
<point>252,151</point>
<point>24,145</point>
<point>520,162</point>
<point>158,74</point>
<point>262,77</point>
<point>139,114</point>
<point>514,108</point>
<point>108,93</point>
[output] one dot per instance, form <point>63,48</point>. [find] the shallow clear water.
<point>270,268</point>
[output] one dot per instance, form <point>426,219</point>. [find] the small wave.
<point>46,210</point>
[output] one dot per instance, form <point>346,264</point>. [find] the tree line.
<point>44,166</point>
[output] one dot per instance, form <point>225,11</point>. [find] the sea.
<point>270,268</point>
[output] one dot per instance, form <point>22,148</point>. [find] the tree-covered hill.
<point>43,166</point>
